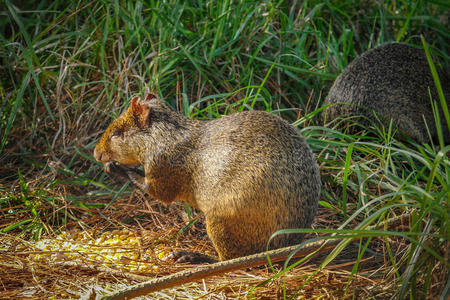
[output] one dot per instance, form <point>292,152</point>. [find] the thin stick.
<point>254,260</point>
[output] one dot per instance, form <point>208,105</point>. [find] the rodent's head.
<point>120,142</point>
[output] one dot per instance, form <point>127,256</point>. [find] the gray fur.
<point>392,80</point>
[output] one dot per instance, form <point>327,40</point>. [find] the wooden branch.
<point>254,260</point>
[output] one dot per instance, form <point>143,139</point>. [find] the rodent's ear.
<point>150,96</point>
<point>152,99</point>
<point>141,111</point>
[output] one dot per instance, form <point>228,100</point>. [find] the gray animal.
<point>394,81</point>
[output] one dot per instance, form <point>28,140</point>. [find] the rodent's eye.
<point>116,134</point>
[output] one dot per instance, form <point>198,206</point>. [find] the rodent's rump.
<point>394,81</point>
<point>250,173</point>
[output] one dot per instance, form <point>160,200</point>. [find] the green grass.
<point>68,68</point>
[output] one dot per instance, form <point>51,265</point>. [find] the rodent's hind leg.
<point>191,257</point>
<point>238,235</point>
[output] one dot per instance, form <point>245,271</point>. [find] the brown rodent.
<point>250,173</point>
<point>391,80</point>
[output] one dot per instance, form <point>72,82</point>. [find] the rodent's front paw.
<point>133,172</point>
<point>108,166</point>
<point>115,168</point>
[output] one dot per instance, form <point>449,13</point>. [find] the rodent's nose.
<point>97,155</point>
<point>100,155</point>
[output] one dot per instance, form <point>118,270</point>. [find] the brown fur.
<point>391,80</point>
<point>251,173</point>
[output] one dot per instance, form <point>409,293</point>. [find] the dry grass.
<point>64,271</point>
